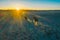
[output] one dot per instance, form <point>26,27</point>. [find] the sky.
<point>30,4</point>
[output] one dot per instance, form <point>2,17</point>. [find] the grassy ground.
<point>47,28</point>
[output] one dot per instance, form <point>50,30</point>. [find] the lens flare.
<point>17,9</point>
<point>18,17</point>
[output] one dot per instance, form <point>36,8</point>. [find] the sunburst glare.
<point>17,9</point>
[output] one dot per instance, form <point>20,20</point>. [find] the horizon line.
<point>30,9</point>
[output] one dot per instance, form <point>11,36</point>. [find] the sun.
<point>18,16</point>
<point>17,9</point>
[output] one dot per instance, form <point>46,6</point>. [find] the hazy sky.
<point>30,4</point>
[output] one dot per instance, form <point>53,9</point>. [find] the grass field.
<point>14,25</point>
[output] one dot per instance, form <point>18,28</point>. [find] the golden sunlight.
<point>17,9</point>
<point>18,16</point>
